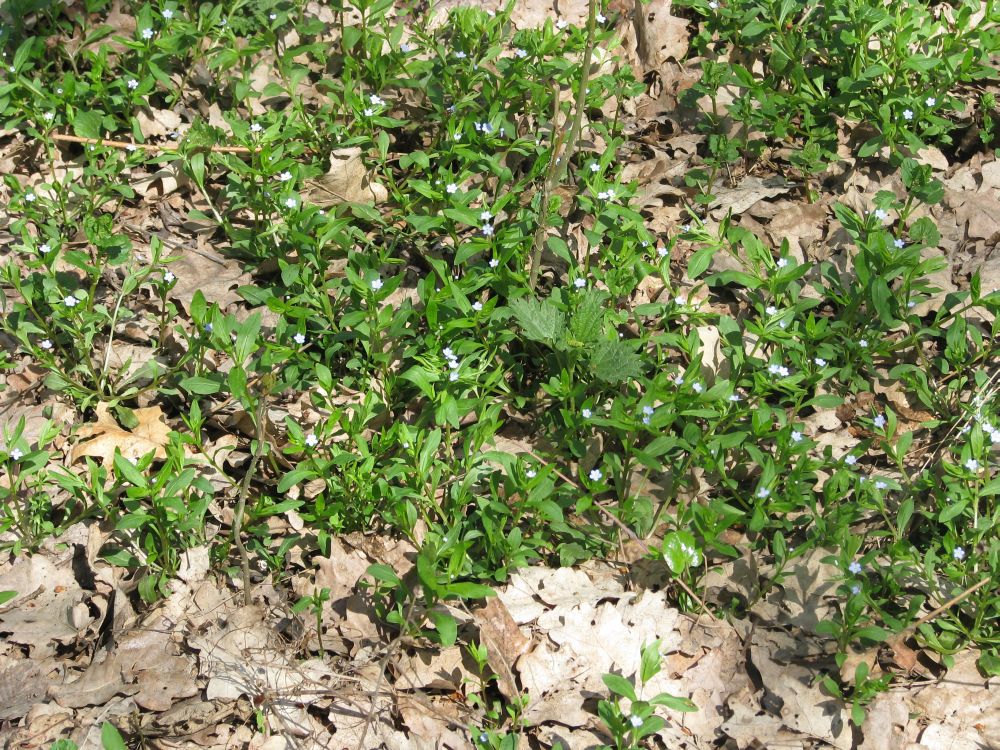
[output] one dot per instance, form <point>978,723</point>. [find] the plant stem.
<point>258,451</point>
<point>558,164</point>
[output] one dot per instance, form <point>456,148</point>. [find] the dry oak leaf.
<point>347,181</point>
<point>151,434</point>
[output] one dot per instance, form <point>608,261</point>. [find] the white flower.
<point>299,338</point>
<point>782,262</point>
<point>713,5</point>
<point>147,33</point>
<point>457,137</point>
<point>167,13</point>
<point>494,262</point>
<point>972,465</point>
<point>648,410</point>
<point>680,299</point>
<point>600,18</point>
<point>168,277</point>
<point>606,195</point>
<point>880,485</point>
<point>595,167</point>
<point>879,421</point>
<point>579,283</point>
<point>734,398</point>
<point>995,436</point>
<point>778,370</point>
<point>561,24</point>
<point>256,128</point>
<point>46,344</point>
<point>273,16</point>
<point>530,473</point>
<point>863,343</point>
<point>461,55</point>
<point>369,112</point>
<point>697,387</point>
<point>29,197</point>
<point>477,306</point>
<point>291,202</point>
<point>930,101</point>
<point>44,248</point>
<point>285,176</point>
<point>796,436</point>
<point>311,440</point>
<point>485,216</point>
<point>404,48</point>
<point>820,362</point>
<point>854,567</point>
<point>958,554</point>
<point>907,114</point>
<point>771,310</point>
<point>49,116</point>
<point>451,188</point>
<point>448,353</point>
<point>596,475</point>
<point>487,230</point>
<point>880,214</point>
<point>899,244</point>
<point>586,413</point>
<point>71,301</point>
<point>520,52</point>
<point>376,284</point>
<point>454,376</point>
<point>132,84</point>
<point>661,251</point>
<point>635,721</point>
<point>376,100</point>
<point>763,492</point>
<point>850,460</point>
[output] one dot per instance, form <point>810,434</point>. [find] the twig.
<point>906,632</point>
<point>631,534</point>
<point>560,161</point>
<point>144,146</point>
<point>245,489</point>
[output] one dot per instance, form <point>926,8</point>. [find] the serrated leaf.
<point>615,361</point>
<point>540,320</point>
<point>588,319</point>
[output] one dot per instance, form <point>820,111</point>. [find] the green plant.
<point>629,723</point>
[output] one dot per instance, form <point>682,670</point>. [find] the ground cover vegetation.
<point>279,273</point>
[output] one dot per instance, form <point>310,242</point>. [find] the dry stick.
<point>144,146</point>
<point>560,162</point>
<point>245,489</point>
<point>906,632</point>
<point>631,534</point>
<point>382,667</point>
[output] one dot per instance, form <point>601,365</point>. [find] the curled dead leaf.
<point>347,181</point>
<point>106,436</point>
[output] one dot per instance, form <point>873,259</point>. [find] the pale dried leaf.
<point>347,181</point>
<point>106,436</point>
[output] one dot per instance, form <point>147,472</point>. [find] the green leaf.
<point>6,596</point>
<point>541,320</point>
<point>200,386</point>
<point>615,362</point>
<point>446,626</point>
<point>619,686</point>
<point>674,703</point>
<point>989,663</point>
<point>110,737</point>
<point>467,590</point>
<point>680,551</point>
<point>650,665</point>
<point>588,320</point>
<point>384,573</point>
<point>127,470</point>
<point>87,123</point>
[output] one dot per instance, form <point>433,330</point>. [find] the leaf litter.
<point>203,667</point>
